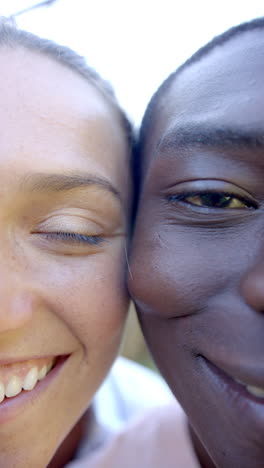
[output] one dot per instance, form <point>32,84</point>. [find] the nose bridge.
<point>252,283</point>
<point>16,299</point>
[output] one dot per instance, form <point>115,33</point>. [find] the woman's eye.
<point>212,200</point>
<point>68,243</point>
<point>73,238</point>
<point>69,234</point>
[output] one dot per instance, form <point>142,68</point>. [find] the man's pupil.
<point>215,199</point>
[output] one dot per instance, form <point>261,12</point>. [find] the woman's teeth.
<point>15,384</point>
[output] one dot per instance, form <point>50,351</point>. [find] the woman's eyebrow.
<point>189,136</point>
<point>42,182</point>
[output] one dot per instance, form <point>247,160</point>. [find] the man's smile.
<point>245,387</point>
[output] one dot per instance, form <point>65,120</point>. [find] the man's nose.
<point>252,286</point>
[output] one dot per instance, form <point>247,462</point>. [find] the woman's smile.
<point>23,375</point>
<point>19,393</point>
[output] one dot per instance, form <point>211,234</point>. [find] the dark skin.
<point>197,269</point>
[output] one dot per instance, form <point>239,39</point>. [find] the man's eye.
<point>212,200</point>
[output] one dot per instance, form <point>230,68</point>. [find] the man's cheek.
<point>175,273</point>
<point>167,280</point>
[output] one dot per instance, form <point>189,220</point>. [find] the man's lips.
<point>241,379</point>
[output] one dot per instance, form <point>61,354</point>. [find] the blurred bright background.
<point>135,45</point>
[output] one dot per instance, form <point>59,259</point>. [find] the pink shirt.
<point>157,439</point>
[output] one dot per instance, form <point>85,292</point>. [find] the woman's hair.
<point>13,37</point>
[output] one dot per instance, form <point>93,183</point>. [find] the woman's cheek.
<point>88,294</point>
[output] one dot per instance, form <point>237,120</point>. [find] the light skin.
<point>64,195</point>
<point>197,271</point>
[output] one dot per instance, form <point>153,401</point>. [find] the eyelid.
<point>69,223</point>
<point>210,185</point>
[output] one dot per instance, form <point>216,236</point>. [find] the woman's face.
<point>197,270</point>
<point>64,196</point>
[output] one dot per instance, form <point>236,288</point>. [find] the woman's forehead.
<point>50,115</point>
<point>44,83</point>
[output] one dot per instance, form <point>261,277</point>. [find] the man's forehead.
<point>218,73</point>
<point>222,87</point>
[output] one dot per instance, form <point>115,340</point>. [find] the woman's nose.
<point>252,287</point>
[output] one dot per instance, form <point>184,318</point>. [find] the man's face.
<point>197,264</point>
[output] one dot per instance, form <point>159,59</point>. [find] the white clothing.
<point>158,439</point>
<point>128,390</point>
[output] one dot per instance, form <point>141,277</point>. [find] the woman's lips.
<point>11,407</point>
<point>24,375</point>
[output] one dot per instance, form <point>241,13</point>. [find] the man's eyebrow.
<point>191,136</point>
<point>42,182</point>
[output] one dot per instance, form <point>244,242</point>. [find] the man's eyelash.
<point>73,237</point>
<point>182,196</point>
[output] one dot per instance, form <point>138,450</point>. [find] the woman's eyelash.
<point>73,237</point>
